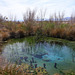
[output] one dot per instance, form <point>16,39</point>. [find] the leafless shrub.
<point>29,16</point>
<point>72,20</point>
<point>2,19</point>
<point>57,18</point>
<point>29,21</point>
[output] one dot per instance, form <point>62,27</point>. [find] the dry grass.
<point>20,34</point>
<point>23,69</point>
<point>29,27</point>
<point>5,36</point>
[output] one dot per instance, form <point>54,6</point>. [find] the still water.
<point>41,53</point>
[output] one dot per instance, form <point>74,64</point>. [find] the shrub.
<point>12,34</point>
<point>38,33</point>
<point>20,34</point>
<point>28,29</point>
<point>2,19</point>
<point>5,36</point>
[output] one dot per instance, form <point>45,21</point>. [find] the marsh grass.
<point>54,27</point>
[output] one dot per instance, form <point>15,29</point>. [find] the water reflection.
<point>40,54</point>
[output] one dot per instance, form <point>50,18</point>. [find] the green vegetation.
<point>41,30</point>
<point>29,27</point>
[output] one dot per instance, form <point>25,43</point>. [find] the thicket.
<point>57,26</point>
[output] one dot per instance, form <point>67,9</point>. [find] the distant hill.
<point>67,18</point>
<point>64,19</point>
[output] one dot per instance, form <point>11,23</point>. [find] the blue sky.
<point>12,8</point>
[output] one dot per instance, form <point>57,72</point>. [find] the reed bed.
<point>30,26</point>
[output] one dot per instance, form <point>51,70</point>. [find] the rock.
<point>47,60</point>
<point>58,58</point>
<point>21,58</point>
<point>25,58</point>
<point>40,55</point>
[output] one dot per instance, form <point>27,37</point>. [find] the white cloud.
<point>18,7</point>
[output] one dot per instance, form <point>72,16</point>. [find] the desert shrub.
<point>38,33</point>
<point>12,34</point>
<point>29,16</point>
<point>47,28</point>
<point>20,34</point>
<point>55,33</point>
<point>63,25</point>
<point>20,26</point>
<point>9,25</point>
<point>28,29</point>
<point>49,25</point>
<point>5,36</point>
<point>71,35</point>
<point>55,27</point>
<point>29,21</point>
<point>2,19</point>
<point>46,32</point>
<point>35,27</point>
<point>63,33</point>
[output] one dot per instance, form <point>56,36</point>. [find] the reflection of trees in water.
<point>16,50</point>
<point>73,56</point>
<point>72,51</point>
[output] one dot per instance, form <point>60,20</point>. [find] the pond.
<point>54,56</point>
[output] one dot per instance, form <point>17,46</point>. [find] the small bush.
<point>12,34</point>
<point>38,33</point>
<point>20,34</point>
<point>2,19</point>
<point>28,29</point>
<point>5,36</point>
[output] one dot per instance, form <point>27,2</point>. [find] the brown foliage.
<point>5,36</point>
